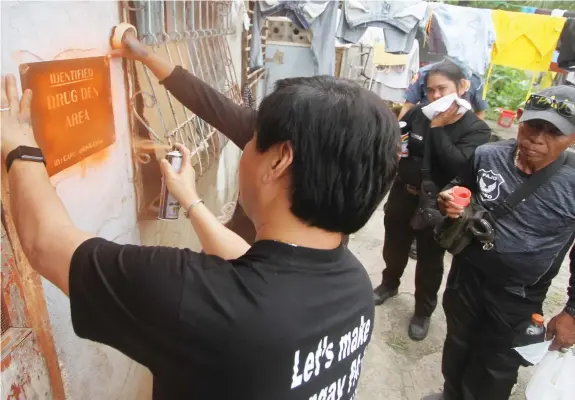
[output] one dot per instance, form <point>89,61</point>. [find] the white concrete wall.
<point>98,194</point>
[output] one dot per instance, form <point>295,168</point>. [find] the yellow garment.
<point>380,57</point>
<point>547,80</point>
<point>525,41</point>
<point>530,87</point>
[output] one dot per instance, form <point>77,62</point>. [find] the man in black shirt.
<point>492,291</point>
<point>289,317</point>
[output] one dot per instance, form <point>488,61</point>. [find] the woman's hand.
<point>447,206</point>
<point>16,127</point>
<point>447,117</point>
<point>182,184</point>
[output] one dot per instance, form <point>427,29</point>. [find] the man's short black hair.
<point>345,142</point>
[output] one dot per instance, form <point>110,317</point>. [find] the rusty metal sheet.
<point>12,299</point>
<point>24,371</point>
<point>27,344</point>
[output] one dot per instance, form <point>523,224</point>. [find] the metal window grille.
<point>191,34</point>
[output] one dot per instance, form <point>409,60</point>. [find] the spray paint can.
<point>169,207</point>
<point>404,139</point>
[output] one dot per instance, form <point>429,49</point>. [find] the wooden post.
<point>29,284</point>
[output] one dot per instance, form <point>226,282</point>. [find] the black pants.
<point>399,235</point>
<point>484,323</point>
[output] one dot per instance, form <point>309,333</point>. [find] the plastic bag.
<point>534,353</point>
<point>554,378</point>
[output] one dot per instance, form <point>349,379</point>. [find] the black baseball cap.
<point>561,93</point>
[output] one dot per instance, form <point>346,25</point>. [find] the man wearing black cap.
<point>492,291</point>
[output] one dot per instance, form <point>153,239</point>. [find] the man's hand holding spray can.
<point>169,206</point>
<point>178,184</point>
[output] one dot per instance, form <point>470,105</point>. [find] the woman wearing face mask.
<point>452,138</point>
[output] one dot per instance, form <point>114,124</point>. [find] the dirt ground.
<point>395,367</point>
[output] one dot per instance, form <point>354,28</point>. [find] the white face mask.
<point>442,104</point>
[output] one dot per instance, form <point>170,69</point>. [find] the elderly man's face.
<point>541,142</point>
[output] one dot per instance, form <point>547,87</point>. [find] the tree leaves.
<point>507,88</point>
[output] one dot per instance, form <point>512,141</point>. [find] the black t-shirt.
<point>280,322</point>
<point>451,146</point>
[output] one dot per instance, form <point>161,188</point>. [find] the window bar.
<point>208,59</point>
<point>224,48</point>
<point>181,128</point>
<point>179,37</point>
<point>217,31</point>
<point>149,99</point>
<point>164,39</point>
<point>190,36</point>
<point>230,29</point>
<point>195,44</point>
<point>224,11</point>
<point>210,31</point>
<point>205,37</point>
<point>205,46</point>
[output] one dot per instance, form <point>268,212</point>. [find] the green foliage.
<point>551,5</point>
<point>494,5</point>
<point>507,88</point>
<point>516,5</point>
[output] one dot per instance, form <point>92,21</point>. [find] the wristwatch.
<point>570,311</point>
<point>25,153</point>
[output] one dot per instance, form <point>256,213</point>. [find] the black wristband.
<point>570,311</point>
<point>25,153</point>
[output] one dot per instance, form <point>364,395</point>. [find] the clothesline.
<point>400,20</point>
<point>475,38</point>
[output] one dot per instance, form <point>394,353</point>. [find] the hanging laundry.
<point>290,9</point>
<point>319,16</point>
<point>566,59</point>
<point>398,20</point>
<point>267,8</point>
<point>547,80</point>
<point>541,11</point>
<point>528,10</point>
<point>465,34</point>
<point>525,41</point>
<point>395,72</point>
<point>371,36</point>
<point>557,13</point>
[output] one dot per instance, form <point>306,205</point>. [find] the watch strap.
<point>25,153</point>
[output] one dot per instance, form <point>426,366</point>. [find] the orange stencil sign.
<point>72,112</point>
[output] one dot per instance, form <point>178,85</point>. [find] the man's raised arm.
<point>233,120</point>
